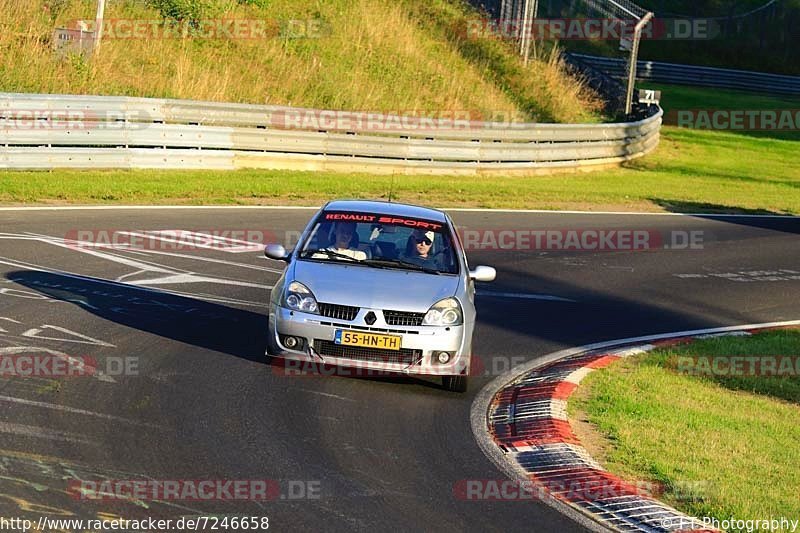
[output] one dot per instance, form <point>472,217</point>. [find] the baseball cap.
<point>427,234</point>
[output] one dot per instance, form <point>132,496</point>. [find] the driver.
<point>343,241</point>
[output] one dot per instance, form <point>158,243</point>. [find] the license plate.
<point>367,340</point>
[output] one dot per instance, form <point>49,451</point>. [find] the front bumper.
<point>423,341</point>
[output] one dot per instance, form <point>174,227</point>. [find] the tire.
<point>455,383</point>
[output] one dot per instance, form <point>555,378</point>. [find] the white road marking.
<point>524,296</point>
<point>107,256</point>
<point>174,274</point>
<point>165,377</point>
<point>33,333</point>
<point>15,350</point>
<point>152,207</point>
<point>73,410</point>
<point>122,277</point>
<point>3,330</point>
<point>41,433</point>
<point>208,297</point>
<point>745,276</point>
<point>727,334</point>
<point>454,209</point>
<point>622,268</point>
<point>191,278</point>
<point>615,213</point>
<point>81,244</point>
<point>198,296</point>
<point>327,395</point>
<point>198,240</point>
<point>17,237</point>
<point>214,260</point>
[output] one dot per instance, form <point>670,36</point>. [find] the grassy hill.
<point>369,55</point>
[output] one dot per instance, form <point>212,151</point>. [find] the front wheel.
<point>455,383</point>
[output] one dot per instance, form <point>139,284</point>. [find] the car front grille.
<point>339,312</point>
<point>357,353</point>
<point>403,318</point>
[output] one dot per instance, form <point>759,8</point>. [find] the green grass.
<point>736,440</point>
<point>691,171</point>
<point>683,97</point>
<point>680,97</point>
<point>369,55</point>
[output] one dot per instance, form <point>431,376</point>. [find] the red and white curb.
<point>520,422</point>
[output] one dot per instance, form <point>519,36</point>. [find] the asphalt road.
<point>346,453</point>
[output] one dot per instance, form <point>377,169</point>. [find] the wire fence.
<point>749,35</point>
<point>629,17</point>
<point>692,75</point>
<point>759,35</point>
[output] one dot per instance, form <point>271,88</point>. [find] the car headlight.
<point>299,298</point>
<point>445,312</point>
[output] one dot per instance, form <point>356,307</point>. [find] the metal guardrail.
<point>60,131</point>
<point>694,75</point>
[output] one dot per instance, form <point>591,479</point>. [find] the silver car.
<point>377,285</point>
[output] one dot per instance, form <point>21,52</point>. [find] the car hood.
<point>375,288</point>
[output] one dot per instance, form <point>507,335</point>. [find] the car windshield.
<point>381,241</point>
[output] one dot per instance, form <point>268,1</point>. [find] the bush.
<point>189,10</point>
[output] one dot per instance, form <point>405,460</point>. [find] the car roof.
<point>386,208</point>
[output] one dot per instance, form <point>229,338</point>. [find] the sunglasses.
<point>424,240</point>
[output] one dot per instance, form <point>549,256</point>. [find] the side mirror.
<point>483,273</point>
<point>276,252</point>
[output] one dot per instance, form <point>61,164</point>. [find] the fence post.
<point>531,12</point>
<point>637,36</point>
<point>98,23</point>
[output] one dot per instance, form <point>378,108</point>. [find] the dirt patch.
<point>589,436</point>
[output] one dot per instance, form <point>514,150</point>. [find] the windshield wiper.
<point>401,263</point>
<point>330,253</point>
